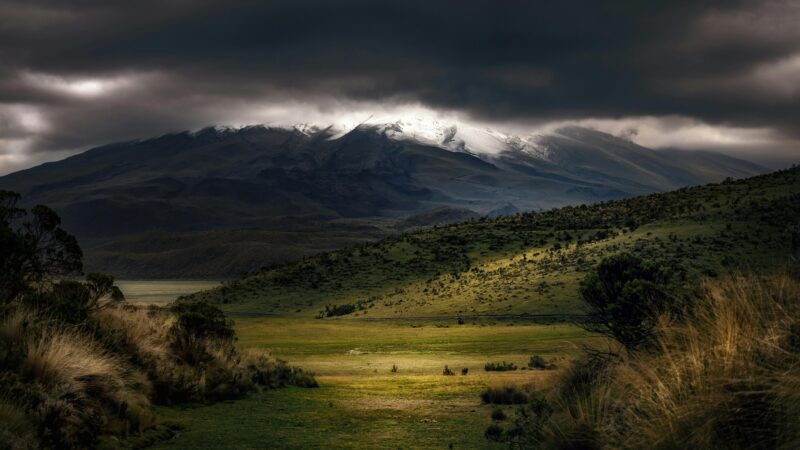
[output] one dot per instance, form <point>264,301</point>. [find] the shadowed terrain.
<point>259,195</point>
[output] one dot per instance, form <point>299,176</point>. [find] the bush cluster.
<point>505,395</point>
<point>537,362</point>
<point>499,366</point>
<point>338,310</point>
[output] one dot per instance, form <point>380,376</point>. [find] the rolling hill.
<point>227,199</point>
<point>529,264</point>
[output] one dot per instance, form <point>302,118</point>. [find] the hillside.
<point>199,190</point>
<point>530,263</point>
<point>227,252</point>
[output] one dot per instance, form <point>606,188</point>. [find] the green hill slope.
<point>531,263</point>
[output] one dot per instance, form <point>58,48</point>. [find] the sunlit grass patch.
<point>361,403</point>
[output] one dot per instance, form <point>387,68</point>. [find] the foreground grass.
<point>361,403</point>
<point>722,374</point>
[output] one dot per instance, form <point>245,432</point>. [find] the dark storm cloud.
<point>163,65</point>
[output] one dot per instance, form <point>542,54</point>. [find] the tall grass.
<point>67,383</point>
<point>68,360</point>
<point>725,375</point>
<point>72,384</point>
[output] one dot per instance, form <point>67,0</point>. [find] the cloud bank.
<point>706,74</point>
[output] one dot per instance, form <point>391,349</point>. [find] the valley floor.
<point>362,404</point>
<point>161,292</point>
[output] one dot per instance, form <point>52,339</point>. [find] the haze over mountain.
<point>294,191</point>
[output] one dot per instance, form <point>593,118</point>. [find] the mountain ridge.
<point>225,179</point>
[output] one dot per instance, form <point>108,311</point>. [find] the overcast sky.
<point>722,75</point>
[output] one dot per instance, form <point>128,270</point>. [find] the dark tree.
<point>625,295</point>
<point>35,248</point>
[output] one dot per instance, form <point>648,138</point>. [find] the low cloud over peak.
<point>689,74</point>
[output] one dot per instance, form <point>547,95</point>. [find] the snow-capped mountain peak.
<point>454,136</point>
<point>307,129</point>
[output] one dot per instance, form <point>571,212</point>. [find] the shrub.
<point>301,378</point>
<point>625,295</point>
<point>72,301</point>
<point>498,414</point>
<point>101,285</point>
<point>200,321</point>
<point>537,362</point>
<point>198,325</point>
<point>68,301</point>
<point>499,366</point>
<point>529,427</point>
<point>494,432</point>
<point>506,395</point>
<point>339,310</point>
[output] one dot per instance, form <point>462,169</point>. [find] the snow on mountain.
<point>307,129</point>
<point>482,141</point>
<point>455,136</point>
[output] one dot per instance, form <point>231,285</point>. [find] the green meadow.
<point>361,403</point>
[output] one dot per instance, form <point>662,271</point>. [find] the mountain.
<point>255,178</point>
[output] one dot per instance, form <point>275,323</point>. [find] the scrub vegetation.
<point>79,367</point>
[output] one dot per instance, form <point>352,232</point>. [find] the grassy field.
<point>361,403</point>
<point>161,292</point>
<point>407,292</point>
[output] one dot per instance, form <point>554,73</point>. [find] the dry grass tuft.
<point>77,382</point>
<point>143,331</point>
<point>727,375</point>
<point>67,359</point>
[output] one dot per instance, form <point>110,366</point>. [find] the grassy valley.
<point>361,403</point>
<point>491,291</point>
<point>462,336</point>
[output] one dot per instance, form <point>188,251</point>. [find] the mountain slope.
<point>531,263</point>
<point>252,178</point>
